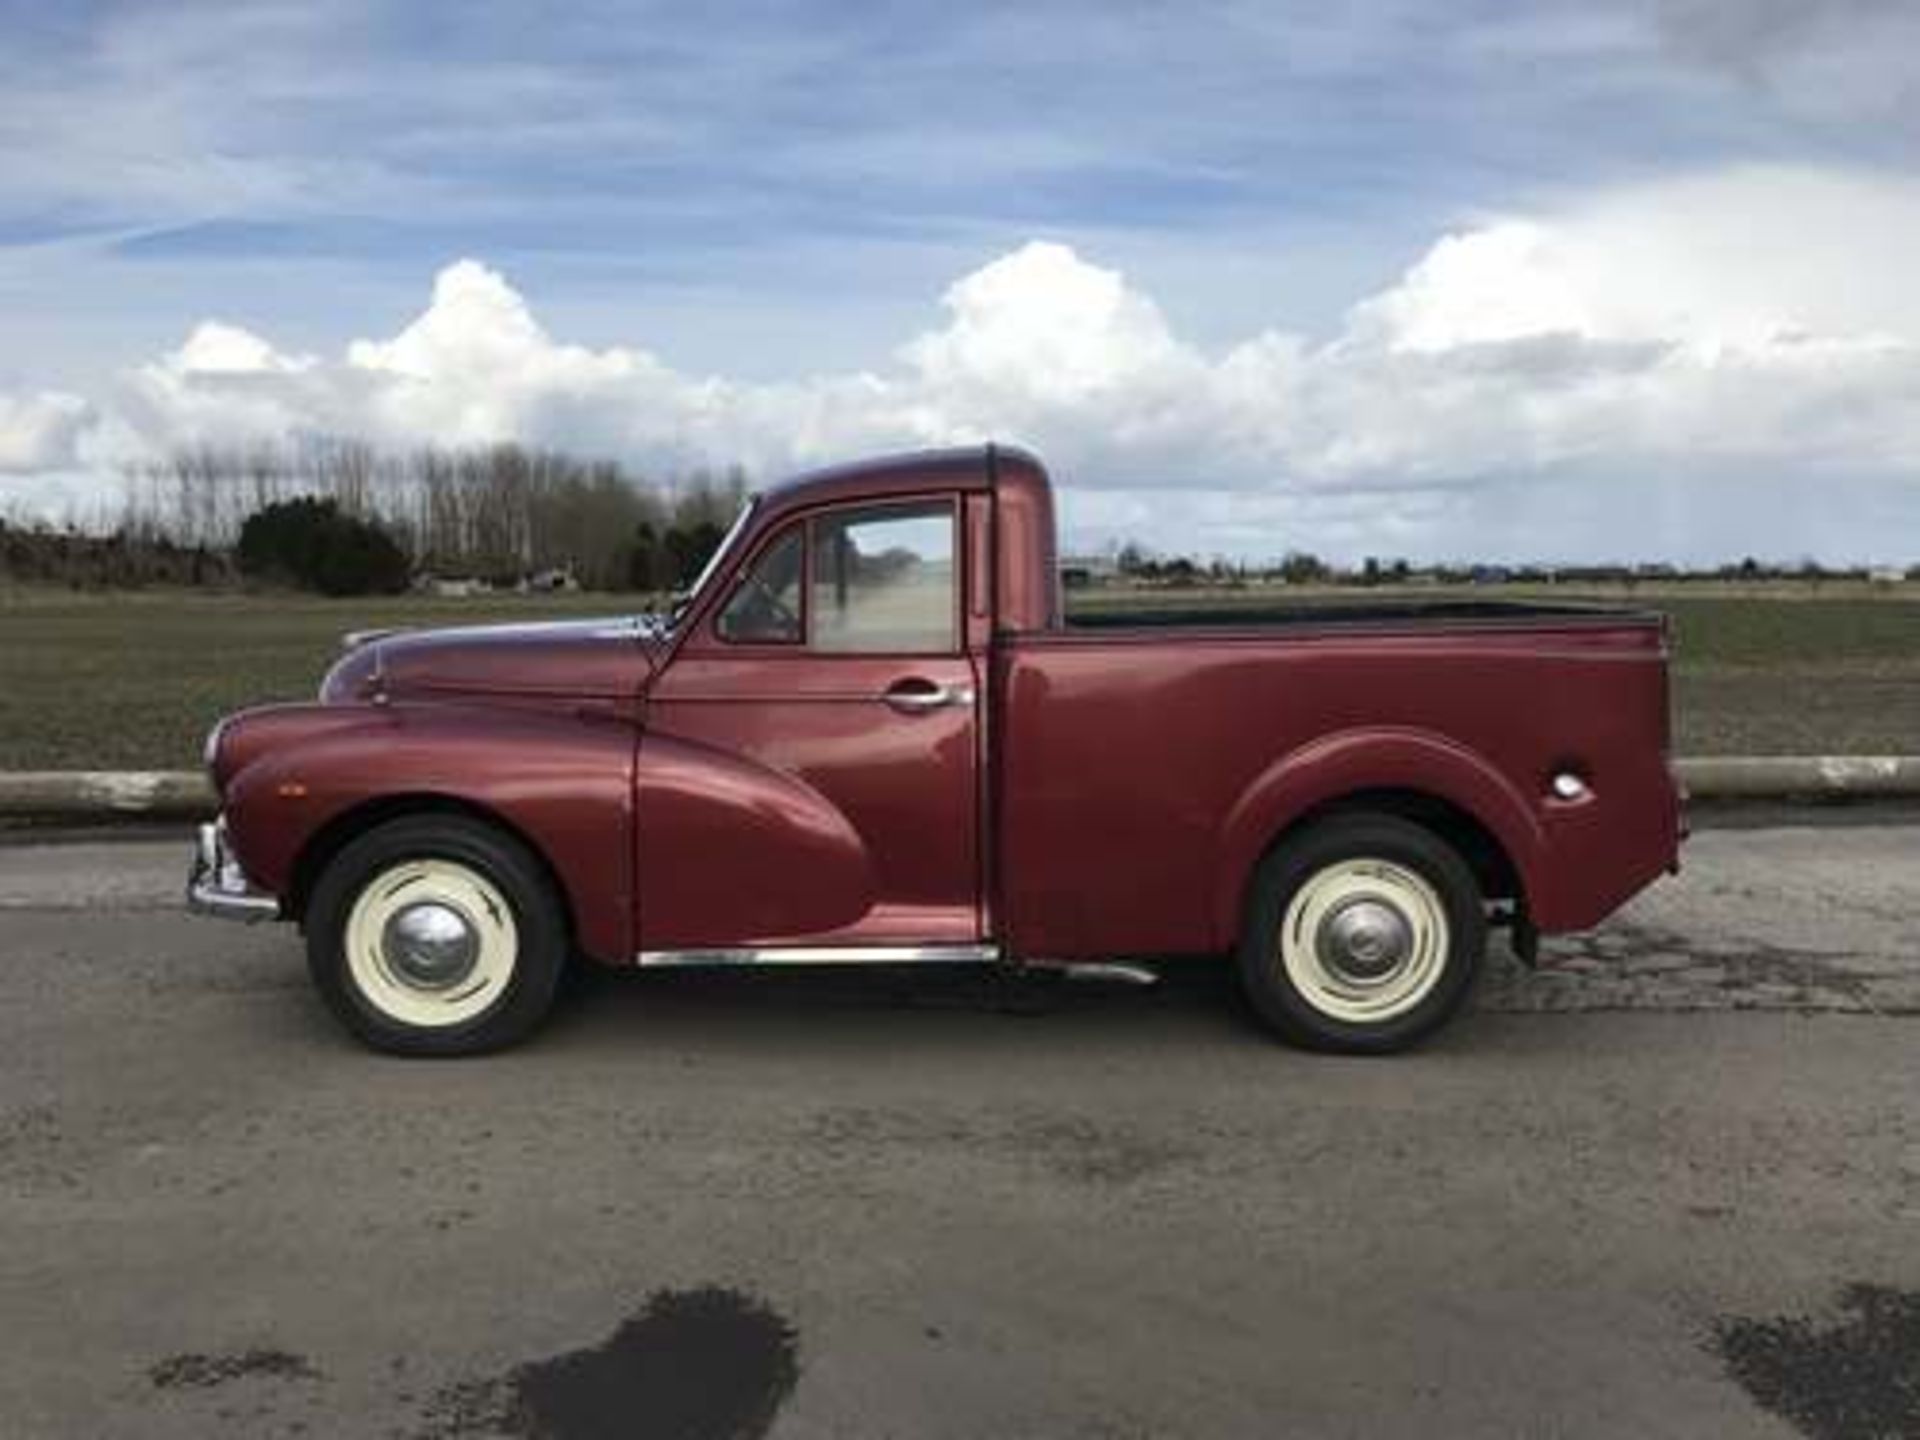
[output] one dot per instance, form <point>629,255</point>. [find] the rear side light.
<point>1569,787</point>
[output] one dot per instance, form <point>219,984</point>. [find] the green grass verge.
<point>135,681</point>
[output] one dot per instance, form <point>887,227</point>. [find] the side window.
<point>764,608</point>
<point>884,579</point>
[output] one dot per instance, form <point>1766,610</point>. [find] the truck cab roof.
<point>960,467</point>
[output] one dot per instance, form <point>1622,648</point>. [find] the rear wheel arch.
<point>1470,837</point>
<point>1415,775</point>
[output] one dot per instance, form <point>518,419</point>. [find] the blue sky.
<point>776,198</point>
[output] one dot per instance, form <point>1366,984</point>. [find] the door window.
<point>884,580</point>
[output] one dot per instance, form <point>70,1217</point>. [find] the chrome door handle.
<point>917,697</point>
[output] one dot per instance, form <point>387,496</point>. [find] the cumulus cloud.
<point>39,432</point>
<point>1754,320</point>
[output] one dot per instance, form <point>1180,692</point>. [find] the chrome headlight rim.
<point>210,751</point>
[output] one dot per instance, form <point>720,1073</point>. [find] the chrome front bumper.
<point>216,885</point>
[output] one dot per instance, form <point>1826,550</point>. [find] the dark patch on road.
<point>707,1364</point>
<point>197,1371</point>
<point>1854,1377</point>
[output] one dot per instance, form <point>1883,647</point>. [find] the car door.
<point>810,766</point>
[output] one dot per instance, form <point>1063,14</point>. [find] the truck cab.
<point>839,667</point>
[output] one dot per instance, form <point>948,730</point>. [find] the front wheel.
<point>436,935</point>
<point>1363,934</point>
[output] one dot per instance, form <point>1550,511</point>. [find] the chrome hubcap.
<point>430,945</point>
<point>431,942</point>
<point>1364,940</point>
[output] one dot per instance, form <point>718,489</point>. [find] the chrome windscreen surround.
<point>216,885</point>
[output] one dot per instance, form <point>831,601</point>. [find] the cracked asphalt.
<point>1820,919</point>
<point>1669,1184</point>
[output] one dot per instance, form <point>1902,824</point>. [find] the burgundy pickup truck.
<point>869,734</point>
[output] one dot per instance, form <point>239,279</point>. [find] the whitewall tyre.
<point>1363,933</point>
<point>436,935</point>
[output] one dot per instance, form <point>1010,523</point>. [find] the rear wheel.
<point>436,935</point>
<point>1363,933</point>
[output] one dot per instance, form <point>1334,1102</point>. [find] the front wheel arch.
<point>486,985</point>
<point>349,825</point>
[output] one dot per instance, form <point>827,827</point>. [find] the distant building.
<point>1886,575</point>
<point>1079,570</point>
<point>453,587</point>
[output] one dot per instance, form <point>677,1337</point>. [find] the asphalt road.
<point>1668,1186</point>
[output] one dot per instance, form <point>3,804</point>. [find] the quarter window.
<point>883,579</point>
<point>764,608</point>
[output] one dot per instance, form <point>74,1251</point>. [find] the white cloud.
<point>38,432</point>
<point>1762,315</point>
<point>218,349</point>
<point>1735,256</point>
<point>1755,320</point>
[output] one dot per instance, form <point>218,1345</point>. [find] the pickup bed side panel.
<point>1142,774</point>
<point>564,784</point>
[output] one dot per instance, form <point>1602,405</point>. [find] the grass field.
<point>134,681</point>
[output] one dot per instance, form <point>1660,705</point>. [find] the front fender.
<point>736,853</point>
<point>1374,758</point>
<point>564,784</point>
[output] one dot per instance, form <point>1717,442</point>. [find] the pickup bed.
<point>870,735</point>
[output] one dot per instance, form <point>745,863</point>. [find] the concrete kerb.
<point>107,795</point>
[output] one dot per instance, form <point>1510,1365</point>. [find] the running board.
<point>822,955</point>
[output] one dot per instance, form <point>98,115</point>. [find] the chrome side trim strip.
<point>822,955</point>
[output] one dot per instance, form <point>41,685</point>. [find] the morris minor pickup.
<point>870,734</point>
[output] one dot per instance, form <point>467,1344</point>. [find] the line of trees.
<point>37,555</point>
<point>503,514</point>
<point>1134,563</point>
<point>496,514</point>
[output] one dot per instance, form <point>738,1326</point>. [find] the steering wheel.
<point>777,616</point>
